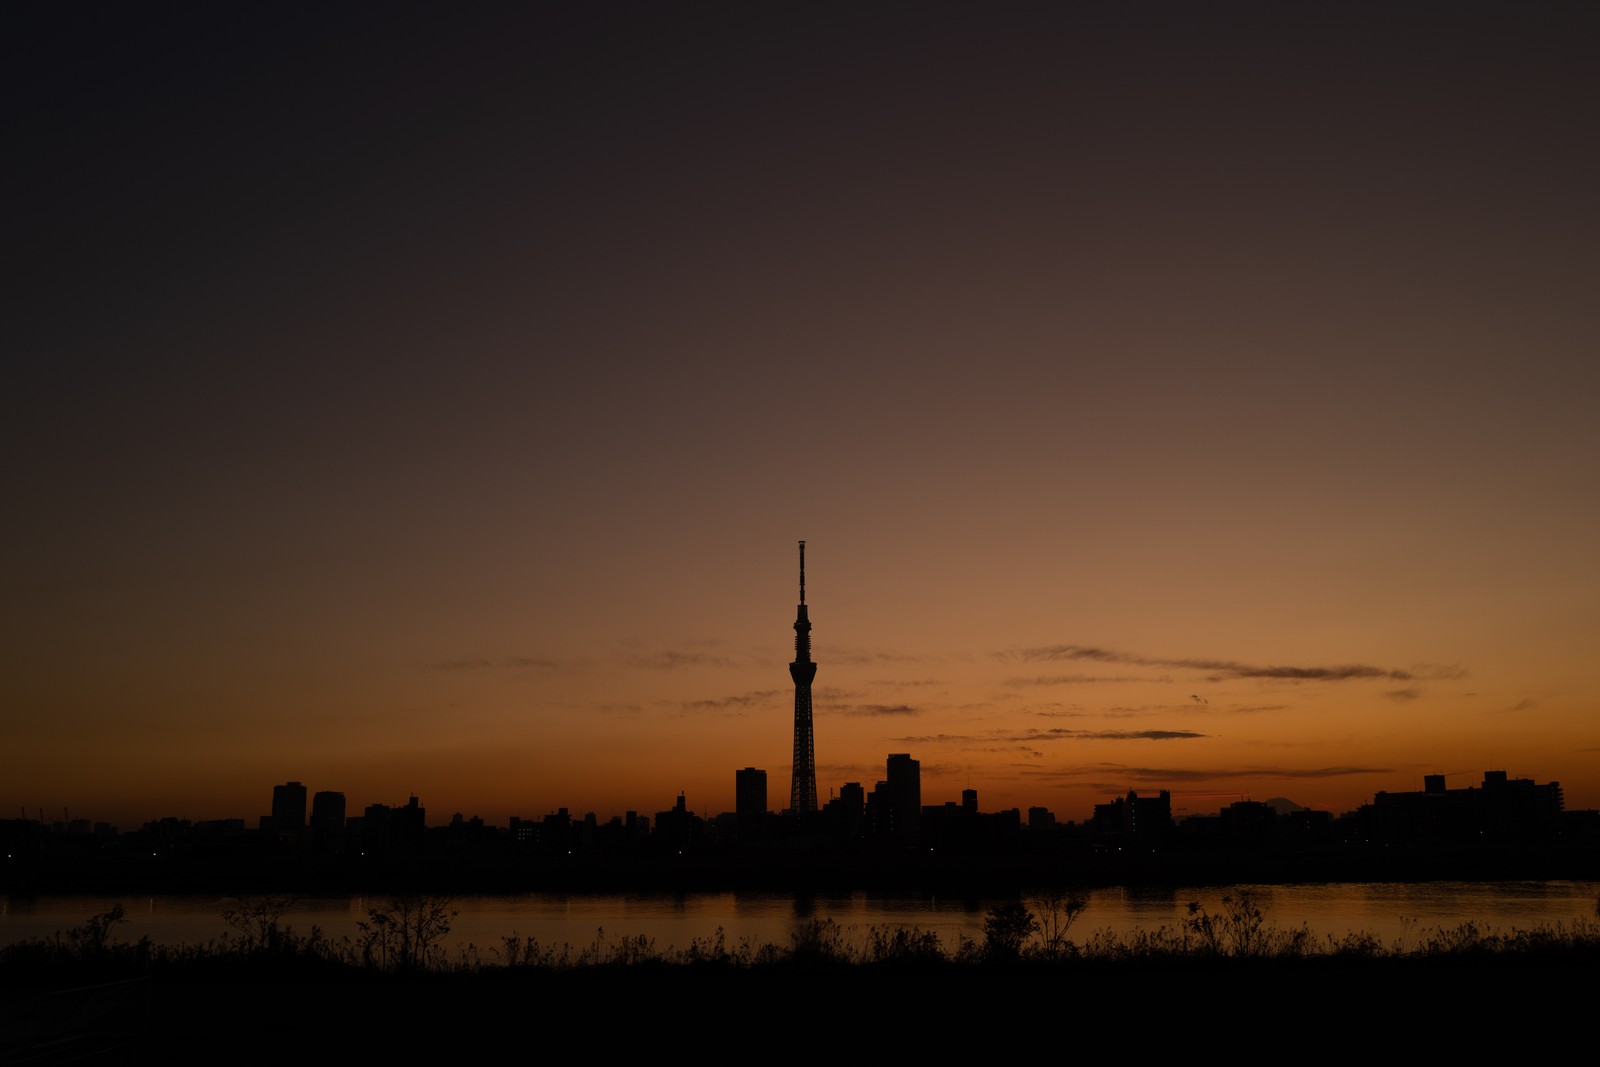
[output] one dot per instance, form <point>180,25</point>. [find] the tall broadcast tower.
<point>803,789</point>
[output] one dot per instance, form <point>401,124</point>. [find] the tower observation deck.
<point>803,788</point>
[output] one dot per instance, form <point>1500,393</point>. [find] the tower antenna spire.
<point>803,786</point>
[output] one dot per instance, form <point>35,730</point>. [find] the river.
<point>1395,913</point>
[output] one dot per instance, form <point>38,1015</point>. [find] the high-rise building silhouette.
<point>894,807</point>
<point>803,787</point>
<point>327,812</point>
<point>905,795</point>
<point>289,807</point>
<point>750,796</point>
<point>327,821</point>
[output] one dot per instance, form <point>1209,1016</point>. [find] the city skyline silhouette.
<point>426,404</point>
<point>897,798</point>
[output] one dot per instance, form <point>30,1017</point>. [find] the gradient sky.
<point>416,400</point>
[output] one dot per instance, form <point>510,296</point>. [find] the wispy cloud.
<point>1439,672</point>
<point>1079,679</point>
<point>1192,774</point>
<point>671,660</point>
<point>1117,776</point>
<point>1217,669</point>
<point>868,656</point>
<point>876,709</point>
<point>1033,737</point>
<point>739,701</point>
<point>1138,735</point>
<point>1409,693</point>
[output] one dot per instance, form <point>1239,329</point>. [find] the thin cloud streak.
<point>1218,669</point>
<point>1027,737</point>
<point>1081,679</point>
<point>858,658</point>
<point>742,700</point>
<point>672,661</point>
<point>1194,774</point>
<point>1434,672</point>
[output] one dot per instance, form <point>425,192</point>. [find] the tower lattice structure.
<point>803,787</point>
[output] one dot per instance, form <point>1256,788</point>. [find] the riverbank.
<point>394,988</point>
<point>1147,1007</point>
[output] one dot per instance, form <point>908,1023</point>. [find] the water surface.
<point>1393,912</point>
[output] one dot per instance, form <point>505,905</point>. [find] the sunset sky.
<point>421,400</point>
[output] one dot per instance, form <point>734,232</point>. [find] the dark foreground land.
<point>1260,1009</point>
<point>1225,985</point>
